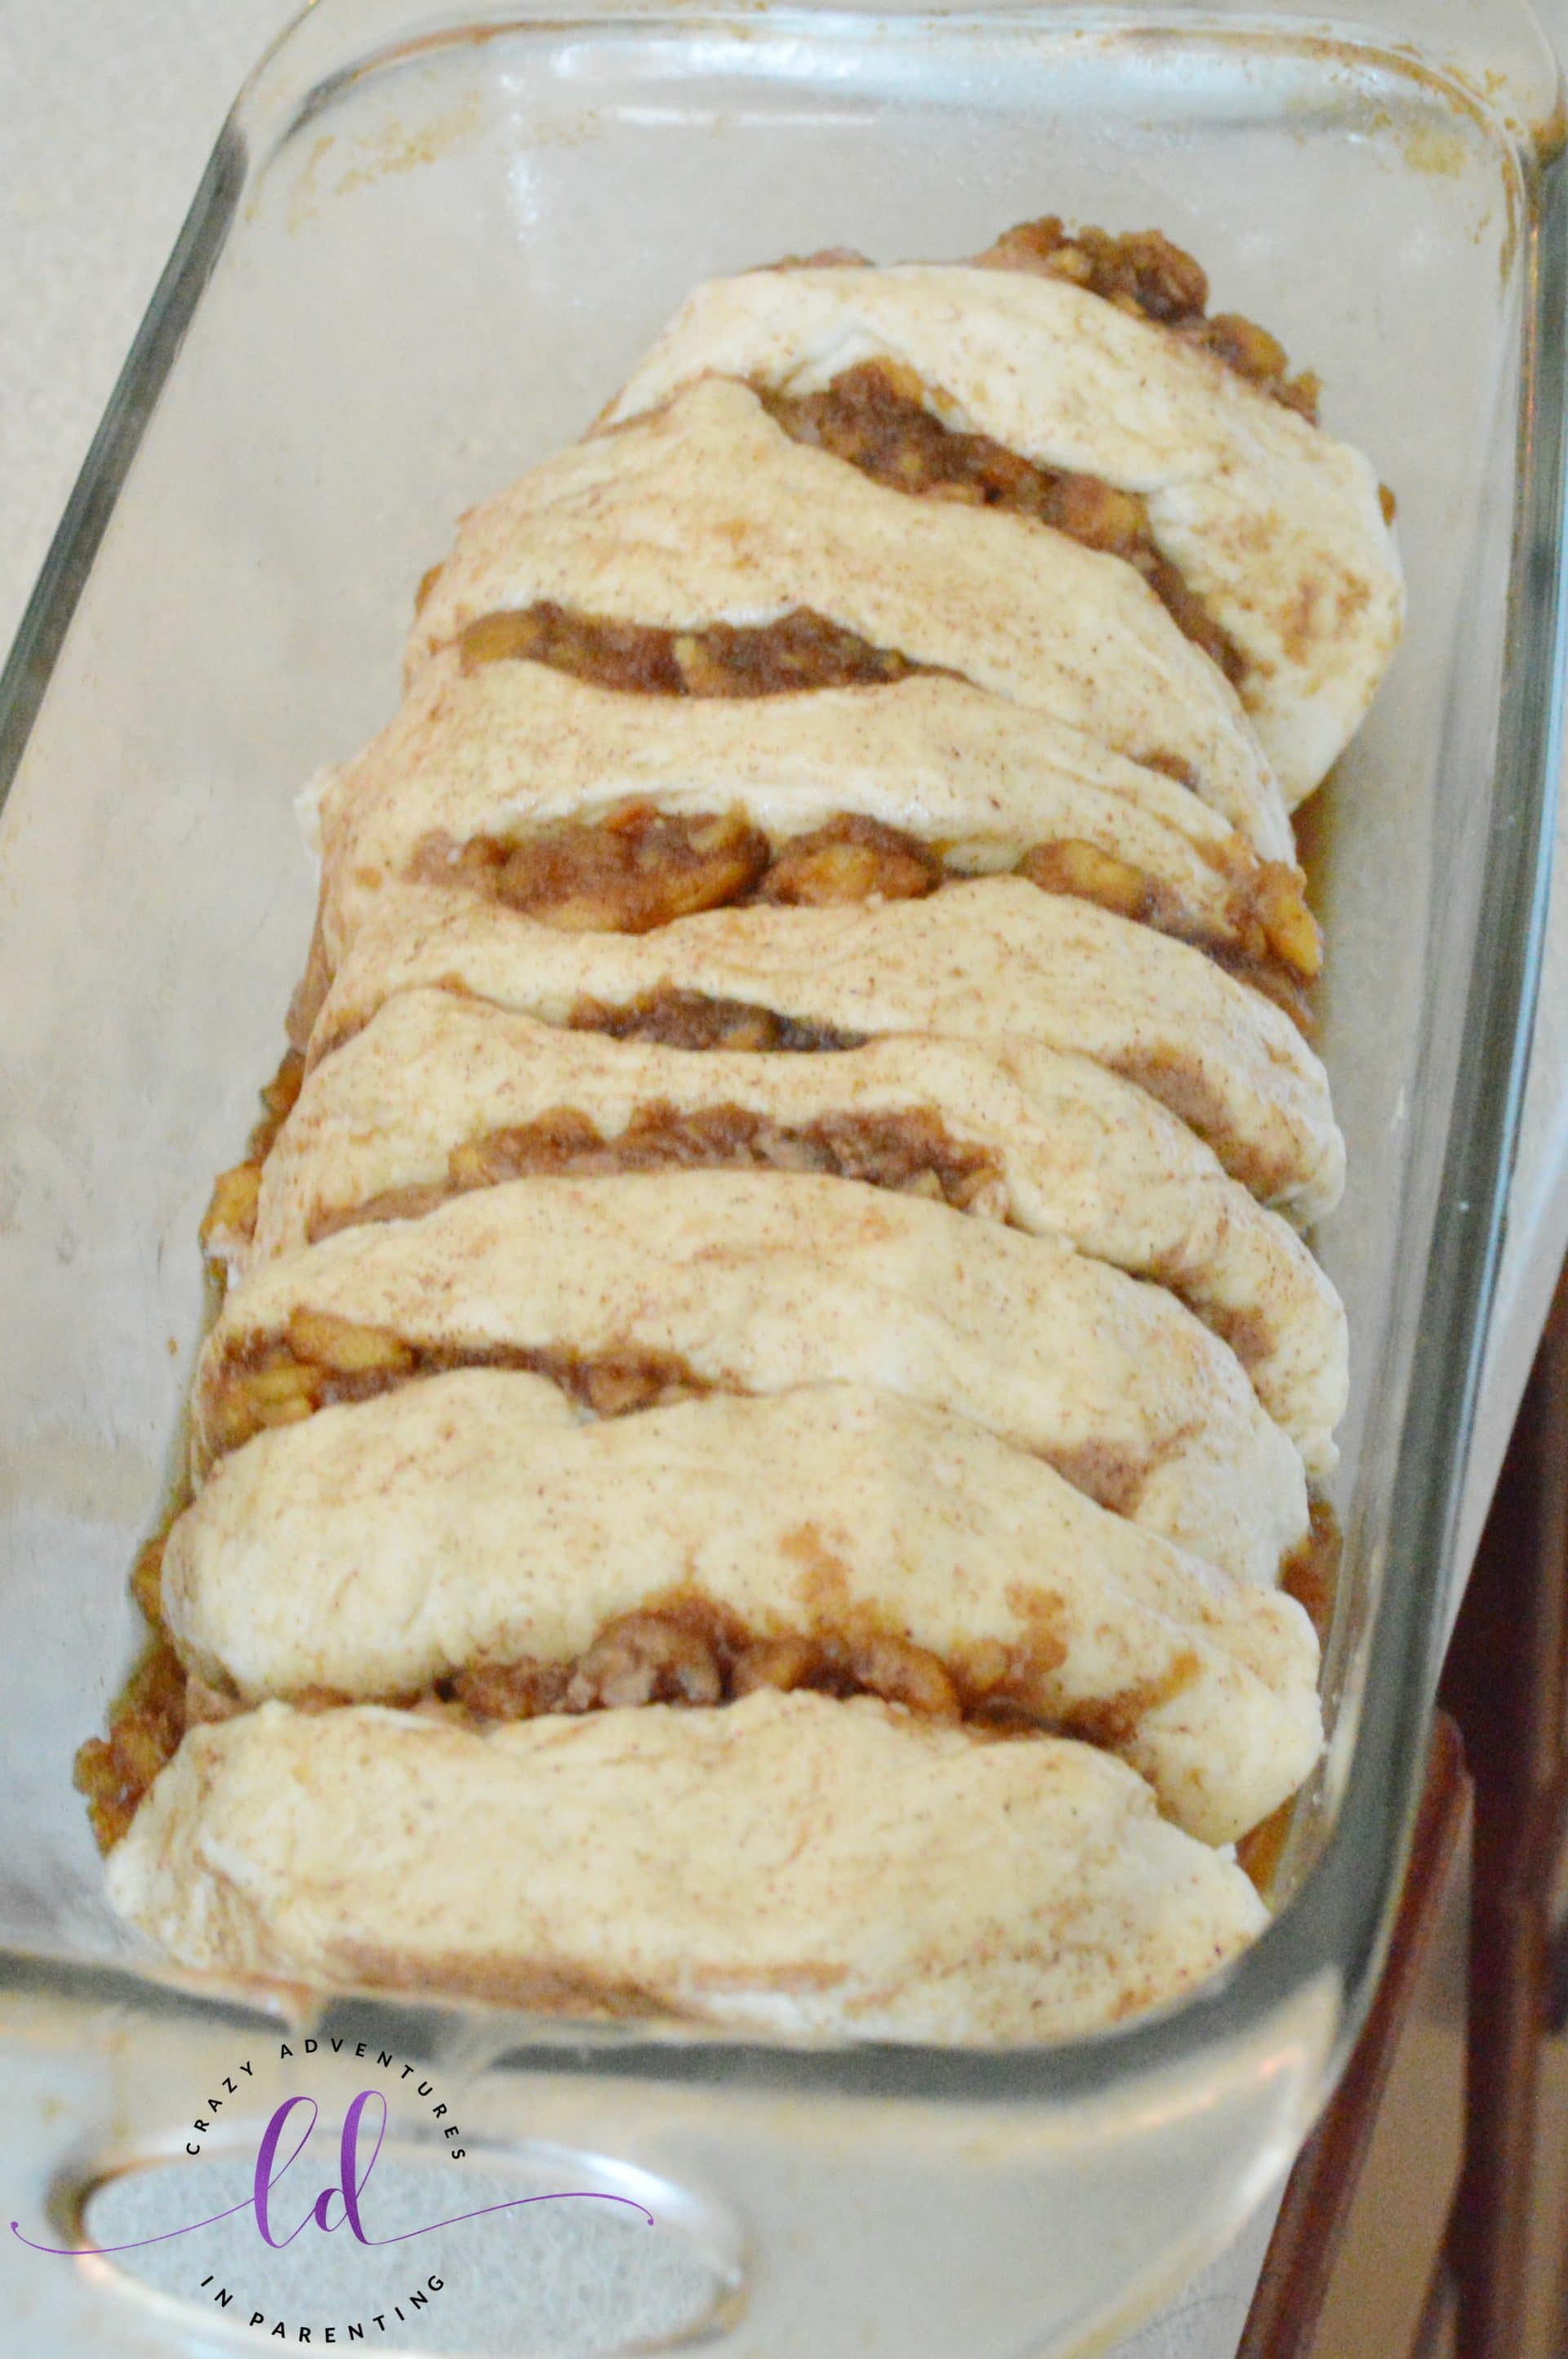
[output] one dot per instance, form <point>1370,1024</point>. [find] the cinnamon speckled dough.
<point>790,1864</point>
<point>1276,525</point>
<point>515,744</point>
<point>989,957</point>
<point>1080,1154</point>
<point>470,1518</point>
<point>760,1281</point>
<point>707,511</point>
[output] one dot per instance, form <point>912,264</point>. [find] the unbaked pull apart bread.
<point>764,1456</point>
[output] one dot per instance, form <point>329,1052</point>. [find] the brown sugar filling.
<point>635,869</point>
<point>1141,272</point>
<point>625,874</point>
<point>691,1653</point>
<point>672,1018</point>
<point>909,1151</point>
<point>801,650</point>
<point>876,417</point>
<point>683,1649</point>
<point>1311,1573</point>
<point>232,1207</point>
<point>1185,1090</point>
<point>686,1019</point>
<point>320,1360</point>
<point>1144,273</point>
<point>146,1720</point>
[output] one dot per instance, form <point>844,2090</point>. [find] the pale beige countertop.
<point>107,114</point>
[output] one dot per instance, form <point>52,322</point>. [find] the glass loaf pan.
<point>428,246</point>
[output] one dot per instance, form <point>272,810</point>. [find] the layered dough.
<point>440,1092</point>
<point>504,747</point>
<point>1278,527</point>
<point>753,1282</point>
<point>792,1863</point>
<point>980,961</point>
<point>376,1550</point>
<point>707,511</point>
<point>770,1399</point>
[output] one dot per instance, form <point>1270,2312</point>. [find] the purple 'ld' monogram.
<point>348,2186</point>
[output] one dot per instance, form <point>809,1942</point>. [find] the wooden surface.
<point>1438,2337</point>
<point>1360,2234</point>
<point>1507,1682</point>
<point>1428,2218</point>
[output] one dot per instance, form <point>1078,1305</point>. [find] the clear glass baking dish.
<point>430,242</point>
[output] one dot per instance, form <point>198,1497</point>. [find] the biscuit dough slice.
<point>985,958</point>
<point>631,1290</point>
<point>506,749</point>
<point>706,512</point>
<point>375,1549</point>
<point>791,1865</point>
<point>440,1093</point>
<point>1275,526</point>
